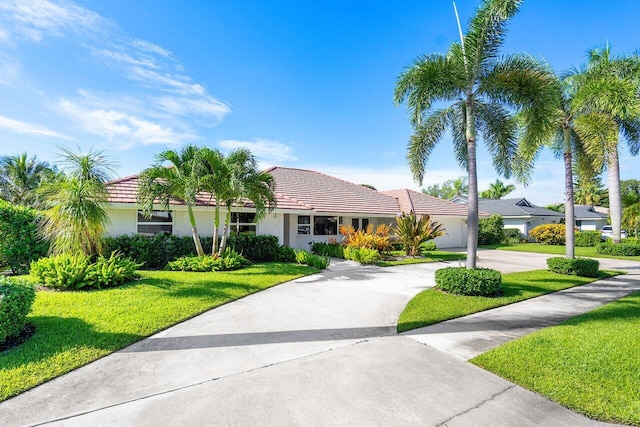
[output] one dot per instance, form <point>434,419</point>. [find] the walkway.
<point>321,350</point>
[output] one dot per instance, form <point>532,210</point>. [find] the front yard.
<point>556,250</point>
<point>75,328</point>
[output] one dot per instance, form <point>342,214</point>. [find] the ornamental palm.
<point>497,190</point>
<point>180,181</point>
<point>215,176</point>
<point>413,232</point>
<point>482,87</point>
<point>21,176</point>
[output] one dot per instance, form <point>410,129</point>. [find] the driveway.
<point>320,350</point>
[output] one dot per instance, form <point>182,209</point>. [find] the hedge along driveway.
<point>75,328</point>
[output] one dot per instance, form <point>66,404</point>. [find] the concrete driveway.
<point>320,350</point>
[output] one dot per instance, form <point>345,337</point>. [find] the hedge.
<point>619,249</point>
<point>577,266</point>
<point>362,255</point>
<point>587,238</point>
<point>16,299</point>
<point>549,234</point>
<point>490,230</point>
<point>19,239</point>
<point>255,248</point>
<point>475,282</point>
<point>328,249</point>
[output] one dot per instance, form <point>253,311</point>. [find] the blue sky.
<point>303,84</point>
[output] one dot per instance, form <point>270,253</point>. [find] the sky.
<point>302,84</point>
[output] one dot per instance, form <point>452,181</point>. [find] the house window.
<point>304,224</point>
<point>243,223</point>
<point>360,223</point>
<point>325,225</point>
<point>160,222</point>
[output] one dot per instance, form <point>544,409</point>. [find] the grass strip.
<point>75,328</point>
<point>589,252</point>
<point>589,363</point>
<point>434,306</point>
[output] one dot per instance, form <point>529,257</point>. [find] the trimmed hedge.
<point>362,255</point>
<point>230,261</point>
<point>462,281</point>
<point>19,239</point>
<point>16,298</point>
<point>286,254</point>
<point>619,249</point>
<point>576,267</point>
<point>586,239</point>
<point>490,230</point>
<point>549,234</point>
<point>255,248</point>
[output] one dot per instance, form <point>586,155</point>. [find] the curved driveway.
<point>320,350</point>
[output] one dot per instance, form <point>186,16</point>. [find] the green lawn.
<point>557,250</point>
<point>590,363</point>
<point>75,328</point>
<point>433,306</point>
<point>434,256</point>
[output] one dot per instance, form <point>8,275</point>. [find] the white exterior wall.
<point>123,221</point>
<point>592,224</point>
<point>456,236</point>
<point>519,223</point>
<point>272,224</point>
<point>204,222</point>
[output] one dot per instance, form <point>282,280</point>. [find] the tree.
<point>180,181</point>
<point>75,219</point>
<point>413,232</point>
<point>482,89</point>
<point>608,98</point>
<point>20,176</point>
<point>590,191</point>
<point>215,178</point>
<point>630,193</point>
<point>497,190</point>
<point>448,189</point>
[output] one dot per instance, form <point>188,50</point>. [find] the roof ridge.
<point>124,178</point>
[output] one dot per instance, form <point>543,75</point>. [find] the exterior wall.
<point>272,224</point>
<point>123,221</point>
<point>592,224</point>
<point>519,223</point>
<point>543,220</point>
<point>204,222</point>
<point>456,236</point>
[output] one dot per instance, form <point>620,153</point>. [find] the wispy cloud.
<point>28,128</point>
<point>268,152</point>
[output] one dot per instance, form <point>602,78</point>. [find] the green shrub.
<point>19,239</point>
<point>231,260</point>
<point>511,236</point>
<point>315,261</point>
<point>362,255</point>
<point>490,230</point>
<point>577,266</point>
<point>587,238</point>
<point>618,249</point>
<point>16,299</point>
<point>427,247</point>
<point>78,272</point>
<point>462,281</point>
<point>328,249</point>
<point>549,234</point>
<point>255,248</point>
<point>286,254</point>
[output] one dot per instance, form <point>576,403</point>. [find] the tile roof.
<point>419,203</point>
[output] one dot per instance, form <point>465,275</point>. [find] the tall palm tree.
<point>181,180</point>
<point>609,98</point>
<point>483,87</point>
<point>20,176</point>
<point>215,177</point>
<point>245,181</point>
<point>75,219</point>
<point>497,190</point>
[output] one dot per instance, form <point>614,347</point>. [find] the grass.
<point>589,363</point>
<point>434,306</point>
<point>75,328</point>
<point>434,256</point>
<point>557,250</point>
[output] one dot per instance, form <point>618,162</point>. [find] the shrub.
<point>78,272</point>
<point>362,255</point>
<point>618,249</point>
<point>511,236</point>
<point>378,239</point>
<point>462,281</point>
<point>549,234</point>
<point>255,248</point>
<point>286,254</point>
<point>16,299</point>
<point>315,261</point>
<point>490,230</point>
<point>231,260</point>
<point>587,238</point>
<point>427,247</point>
<point>577,266</point>
<point>328,249</point>
<point>413,232</point>
<point>19,239</point>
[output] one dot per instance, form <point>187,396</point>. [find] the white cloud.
<point>28,128</point>
<point>268,152</point>
<point>151,48</point>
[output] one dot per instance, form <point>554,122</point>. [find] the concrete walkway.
<point>320,350</point>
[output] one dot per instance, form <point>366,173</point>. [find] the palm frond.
<point>424,140</point>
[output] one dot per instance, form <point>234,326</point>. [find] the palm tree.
<point>20,176</point>
<point>589,191</point>
<point>245,181</point>
<point>497,190</point>
<point>482,87</point>
<point>180,181</point>
<point>215,177</point>
<point>609,99</point>
<point>75,219</point>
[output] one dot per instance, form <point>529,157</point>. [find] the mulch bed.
<point>11,342</point>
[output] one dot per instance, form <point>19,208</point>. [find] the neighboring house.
<point>518,213</point>
<point>311,206</point>
<point>589,218</point>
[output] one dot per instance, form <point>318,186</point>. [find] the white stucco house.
<point>588,218</point>
<point>310,207</point>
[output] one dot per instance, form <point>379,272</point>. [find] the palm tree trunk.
<point>216,226</point>
<point>472,204</point>
<point>194,232</point>
<point>615,202</point>
<point>569,213</point>
<point>227,222</point>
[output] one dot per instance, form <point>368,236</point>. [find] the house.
<point>311,207</point>
<point>589,218</point>
<point>518,213</point>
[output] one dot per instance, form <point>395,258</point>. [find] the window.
<point>243,223</point>
<point>160,222</point>
<point>325,225</point>
<point>360,223</point>
<point>304,224</point>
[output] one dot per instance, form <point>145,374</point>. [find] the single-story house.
<point>589,218</point>
<point>311,207</point>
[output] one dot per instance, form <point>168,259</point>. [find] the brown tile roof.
<point>421,204</point>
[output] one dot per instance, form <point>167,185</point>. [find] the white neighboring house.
<point>311,206</point>
<point>588,218</point>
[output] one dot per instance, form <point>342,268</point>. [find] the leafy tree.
<point>180,181</point>
<point>413,232</point>
<point>590,191</point>
<point>630,193</point>
<point>497,190</point>
<point>20,176</point>
<point>482,88</point>
<point>75,219</point>
<point>448,189</point>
